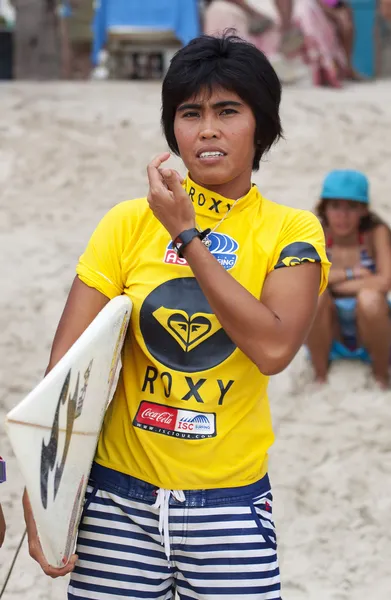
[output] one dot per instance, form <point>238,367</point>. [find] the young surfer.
<point>224,285</point>
<point>353,317</point>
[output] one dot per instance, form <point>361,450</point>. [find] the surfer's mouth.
<point>210,155</point>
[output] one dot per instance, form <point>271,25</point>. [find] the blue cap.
<point>346,185</point>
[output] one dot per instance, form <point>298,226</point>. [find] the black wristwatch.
<point>184,238</point>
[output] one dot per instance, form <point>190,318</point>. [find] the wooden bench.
<point>124,42</point>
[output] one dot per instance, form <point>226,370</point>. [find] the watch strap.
<point>183,239</point>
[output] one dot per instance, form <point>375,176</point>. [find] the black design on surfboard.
<point>49,451</point>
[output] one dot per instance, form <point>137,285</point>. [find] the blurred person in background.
<point>2,520</point>
<point>324,53</point>
<point>340,15</point>
<point>353,317</point>
<point>279,41</point>
<point>2,527</point>
<point>76,37</point>
<point>385,9</point>
<point>321,49</point>
<point>36,40</point>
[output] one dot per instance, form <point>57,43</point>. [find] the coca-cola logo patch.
<point>180,329</point>
<point>175,422</point>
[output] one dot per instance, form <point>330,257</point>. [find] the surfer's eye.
<point>190,114</point>
<point>228,111</point>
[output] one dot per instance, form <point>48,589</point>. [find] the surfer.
<point>224,285</point>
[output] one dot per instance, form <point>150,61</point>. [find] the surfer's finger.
<point>153,169</point>
<point>54,572</point>
<point>174,173</point>
<point>73,560</point>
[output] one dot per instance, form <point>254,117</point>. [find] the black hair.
<point>233,64</point>
<point>367,222</point>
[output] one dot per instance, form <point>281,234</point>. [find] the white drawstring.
<point>163,502</point>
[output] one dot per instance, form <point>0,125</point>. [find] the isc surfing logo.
<point>223,247</point>
<point>199,423</point>
<point>175,422</point>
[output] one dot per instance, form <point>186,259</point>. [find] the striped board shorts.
<point>137,541</point>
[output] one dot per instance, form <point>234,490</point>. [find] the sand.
<point>70,152</point>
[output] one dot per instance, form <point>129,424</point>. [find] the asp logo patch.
<point>296,254</point>
<point>180,329</point>
<point>223,247</point>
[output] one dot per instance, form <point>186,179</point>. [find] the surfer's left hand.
<point>36,552</point>
<point>167,199</point>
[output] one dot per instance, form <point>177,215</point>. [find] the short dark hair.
<point>233,64</point>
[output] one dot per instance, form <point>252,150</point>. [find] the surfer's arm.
<point>269,331</point>
<point>2,527</point>
<point>29,517</point>
<point>81,308</point>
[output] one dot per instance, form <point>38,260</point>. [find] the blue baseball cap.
<point>346,185</point>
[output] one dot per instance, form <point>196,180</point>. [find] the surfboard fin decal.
<point>49,451</point>
<point>71,416</point>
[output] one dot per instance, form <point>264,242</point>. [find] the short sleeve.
<point>100,266</point>
<point>302,240</point>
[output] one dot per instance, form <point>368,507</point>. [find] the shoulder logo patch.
<point>296,254</point>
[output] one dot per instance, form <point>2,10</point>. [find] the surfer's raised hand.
<point>35,548</point>
<point>167,199</point>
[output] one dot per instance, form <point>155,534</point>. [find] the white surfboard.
<point>55,429</point>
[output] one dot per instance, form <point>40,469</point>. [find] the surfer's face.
<point>215,136</point>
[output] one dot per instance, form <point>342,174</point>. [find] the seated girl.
<point>353,319</point>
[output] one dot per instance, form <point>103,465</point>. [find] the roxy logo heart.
<point>179,328</point>
<point>188,331</point>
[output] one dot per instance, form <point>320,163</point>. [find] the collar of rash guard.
<point>212,205</point>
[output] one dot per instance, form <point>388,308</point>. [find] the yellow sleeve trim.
<point>97,280</point>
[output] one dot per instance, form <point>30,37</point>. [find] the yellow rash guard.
<point>191,410</point>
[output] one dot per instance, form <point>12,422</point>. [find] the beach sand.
<point>67,154</point>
